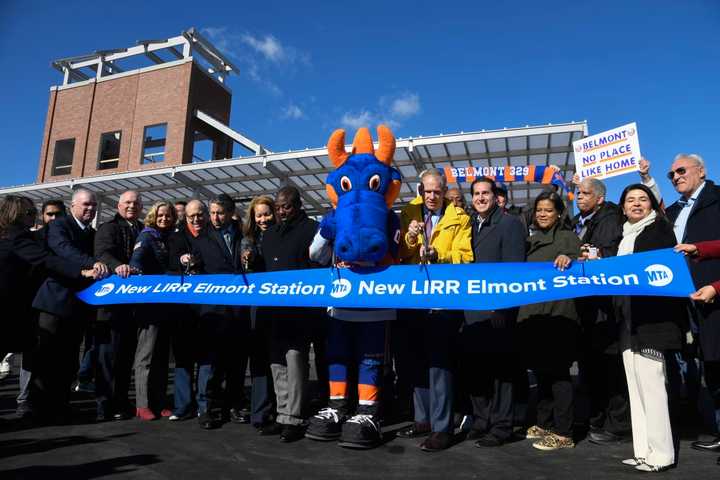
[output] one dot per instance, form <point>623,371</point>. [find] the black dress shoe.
<point>489,440</point>
<point>475,434</point>
<point>207,421</point>
<point>437,441</point>
<point>238,416</point>
<point>415,430</point>
<point>292,433</point>
<point>270,429</point>
<point>603,437</point>
<point>707,446</point>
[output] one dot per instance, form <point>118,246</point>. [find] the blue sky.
<point>426,67</point>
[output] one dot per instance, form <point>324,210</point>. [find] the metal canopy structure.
<point>245,177</point>
<point>105,63</point>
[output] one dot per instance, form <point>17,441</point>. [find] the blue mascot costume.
<point>361,231</point>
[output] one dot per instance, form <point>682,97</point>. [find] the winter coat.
<point>545,246</point>
<point>21,256</point>
<point>450,237</point>
<point>653,322</point>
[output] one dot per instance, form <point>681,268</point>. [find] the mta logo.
<point>105,289</point>
<point>659,275</point>
<point>340,288</point>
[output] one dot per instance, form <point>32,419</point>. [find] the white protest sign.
<point>608,154</point>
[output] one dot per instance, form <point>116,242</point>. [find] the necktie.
<point>428,227</point>
<point>228,241</point>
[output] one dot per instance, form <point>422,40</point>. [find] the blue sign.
<point>474,286</point>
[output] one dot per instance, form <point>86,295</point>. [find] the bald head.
<point>456,197</point>
<point>196,214</point>
<point>130,205</point>
<point>83,206</point>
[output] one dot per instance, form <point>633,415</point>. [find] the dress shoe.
<point>122,416</point>
<point>436,441</point>
<point>603,437</point>
<point>270,429</point>
<point>415,430</point>
<point>238,416</point>
<point>475,434</point>
<point>207,422</point>
<point>292,433</point>
<point>144,413</point>
<point>707,446</point>
<point>489,440</point>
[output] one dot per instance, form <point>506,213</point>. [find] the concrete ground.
<point>180,450</point>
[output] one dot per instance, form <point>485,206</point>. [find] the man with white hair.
<point>434,230</point>
<point>115,331</point>
<point>598,225</point>
<point>62,316</point>
<point>695,219</point>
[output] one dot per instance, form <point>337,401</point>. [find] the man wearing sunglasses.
<point>695,218</point>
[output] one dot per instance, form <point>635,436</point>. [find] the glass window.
<point>154,144</point>
<point>63,157</point>
<point>109,152</point>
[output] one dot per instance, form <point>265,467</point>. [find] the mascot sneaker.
<point>361,431</point>
<point>326,425</point>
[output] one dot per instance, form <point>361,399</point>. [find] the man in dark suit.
<point>487,340</point>
<point>62,316</point>
<point>115,332</point>
<point>218,251</point>
<point>286,246</point>
<point>695,218</point>
<point>598,225</point>
<point>50,210</point>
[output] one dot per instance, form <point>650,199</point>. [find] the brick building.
<point>114,114</point>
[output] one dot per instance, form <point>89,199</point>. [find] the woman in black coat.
<point>652,327</point>
<point>260,216</point>
<point>549,330</point>
<point>19,252</point>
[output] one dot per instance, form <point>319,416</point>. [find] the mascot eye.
<point>345,184</point>
<point>374,183</point>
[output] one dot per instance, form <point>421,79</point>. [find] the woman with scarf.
<point>550,330</point>
<point>150,257</point>
<point>651,327</point>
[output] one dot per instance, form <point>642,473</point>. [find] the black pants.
<point>262,400</point>
<point>607,387</point>
<point>550,345</point>
<point>230,330</point>
<point>55,361</point>
<point>492,397</point>
<point>115,340</point>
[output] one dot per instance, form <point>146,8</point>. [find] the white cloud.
<point>391,111</point>
<point>268,46</point>
<point>263,58</point>
<point>293,112</point>
<point>354,121</point>
<point>406,106</point>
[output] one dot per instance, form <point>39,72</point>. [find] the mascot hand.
<point>327,226</point>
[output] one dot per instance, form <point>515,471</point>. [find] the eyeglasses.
<point>197,215</point>
<point>52,214</point>
<point>680,171</point>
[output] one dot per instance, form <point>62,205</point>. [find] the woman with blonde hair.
<point>259,217</point>
<point>150,256</point>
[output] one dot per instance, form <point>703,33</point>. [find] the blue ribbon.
<point>475,286</point>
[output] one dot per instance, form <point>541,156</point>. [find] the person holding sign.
<point>695,219</point>
<point>651,329</point>
<point>550,330</point>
